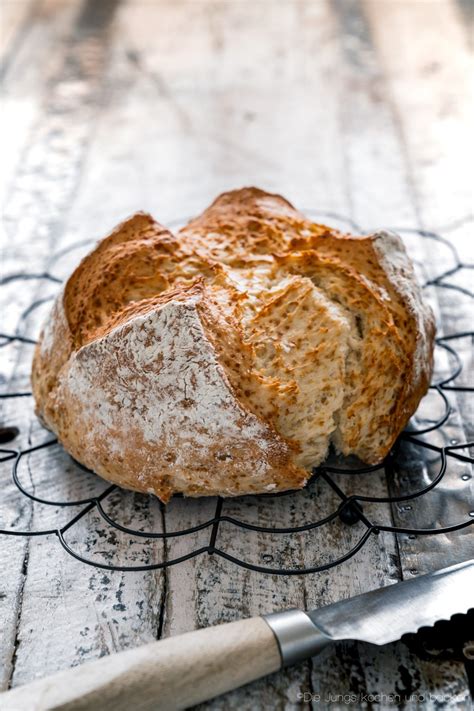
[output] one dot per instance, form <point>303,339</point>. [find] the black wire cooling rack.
<point>349,508</point>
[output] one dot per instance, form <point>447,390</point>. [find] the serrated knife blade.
<point>385,615</point>
<point>378,617</point>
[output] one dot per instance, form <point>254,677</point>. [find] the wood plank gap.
<point>84,63</point>
<point>16,641</point>
<point>24,574</point>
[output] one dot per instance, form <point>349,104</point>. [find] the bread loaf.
<point>227,358</point>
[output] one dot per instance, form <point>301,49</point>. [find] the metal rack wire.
<point>350,507</point>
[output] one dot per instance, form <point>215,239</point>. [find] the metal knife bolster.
<point>297,636</point>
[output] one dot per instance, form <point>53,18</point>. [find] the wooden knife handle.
<point>174,673</point>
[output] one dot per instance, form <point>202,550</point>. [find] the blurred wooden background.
<point>360,107</point>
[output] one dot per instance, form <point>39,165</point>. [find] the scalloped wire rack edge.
<point>349,510</point>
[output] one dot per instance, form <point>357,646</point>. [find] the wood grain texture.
<point>314,100</point>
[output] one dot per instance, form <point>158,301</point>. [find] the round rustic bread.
<point>226,359</point>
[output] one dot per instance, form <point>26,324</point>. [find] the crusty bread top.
<point>322,336</point>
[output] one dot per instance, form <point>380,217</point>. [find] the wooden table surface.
<point>360,108</point>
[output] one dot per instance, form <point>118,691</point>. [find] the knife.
<point>181,671</point>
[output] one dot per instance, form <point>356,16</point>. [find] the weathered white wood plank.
<point>30,63</point>
<point>428,85</point>
<point>22,103</point>
<point>83,612</point>
<point>399,184</point>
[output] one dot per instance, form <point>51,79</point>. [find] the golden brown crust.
<point>226,359</point>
